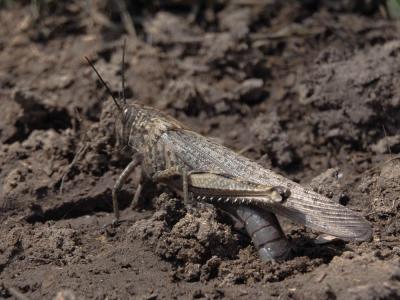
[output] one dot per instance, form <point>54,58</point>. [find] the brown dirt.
<point>309,88</point>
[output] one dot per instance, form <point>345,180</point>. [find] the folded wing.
<point>302,205</point>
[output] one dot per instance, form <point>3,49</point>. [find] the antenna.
<point>123,72</point>
<point>105,84</point>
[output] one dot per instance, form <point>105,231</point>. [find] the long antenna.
<point>105,84</point>
<point>123,72</point>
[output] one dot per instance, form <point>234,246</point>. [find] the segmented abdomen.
<point>265,232</point>
<point>262,226</point>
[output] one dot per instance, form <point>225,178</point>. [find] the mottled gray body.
<point>159,156</point>
<point>175,155</point>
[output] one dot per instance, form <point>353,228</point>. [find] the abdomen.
<point>265,232</point>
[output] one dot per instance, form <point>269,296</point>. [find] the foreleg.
<point>120,182</point>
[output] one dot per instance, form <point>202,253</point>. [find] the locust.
<point>202,170</point>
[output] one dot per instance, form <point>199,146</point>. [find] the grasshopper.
<point>203,170</point>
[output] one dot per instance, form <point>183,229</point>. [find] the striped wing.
<point>303,206</point>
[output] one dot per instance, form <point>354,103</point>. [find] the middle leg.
<point>171,174</point>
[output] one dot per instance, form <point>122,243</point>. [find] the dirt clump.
<point>306,88</point>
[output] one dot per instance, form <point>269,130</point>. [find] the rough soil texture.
<point>310,89</point>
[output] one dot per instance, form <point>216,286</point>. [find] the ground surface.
<point>304,87</point>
